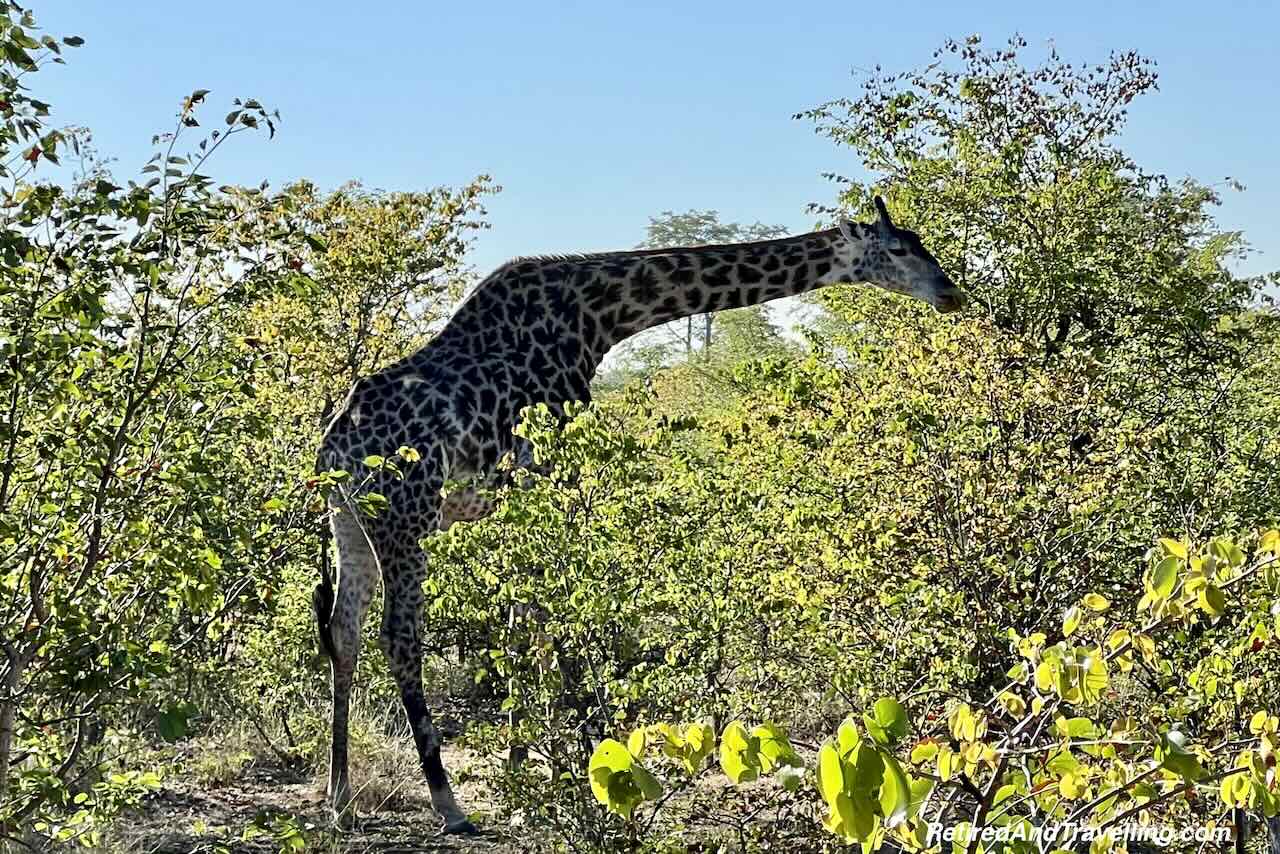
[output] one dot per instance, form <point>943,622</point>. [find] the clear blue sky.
<point>595,115</point>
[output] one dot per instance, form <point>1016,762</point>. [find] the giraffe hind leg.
<point>357,576</point>
<point>403,572</point>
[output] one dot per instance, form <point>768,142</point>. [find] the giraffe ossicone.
<point>534,331</point>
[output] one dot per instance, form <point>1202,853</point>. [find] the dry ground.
<point>260,802</point>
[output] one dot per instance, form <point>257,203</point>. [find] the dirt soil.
<point>188,818</point>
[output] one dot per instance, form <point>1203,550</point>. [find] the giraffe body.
<point>533,332</point>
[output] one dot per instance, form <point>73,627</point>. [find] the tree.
<point>167,350</point>
<point>386,268</point>
<point>916,507</point>
<point>121,530</point>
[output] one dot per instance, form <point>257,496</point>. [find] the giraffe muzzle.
<point>948,300</point>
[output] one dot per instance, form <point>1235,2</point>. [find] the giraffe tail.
<point>322,596</point>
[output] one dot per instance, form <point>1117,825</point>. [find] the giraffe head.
<point>894,259</point>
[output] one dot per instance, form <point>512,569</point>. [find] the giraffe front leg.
<point>339,787</point>
<point>357,574</point>
<point>400,638</point>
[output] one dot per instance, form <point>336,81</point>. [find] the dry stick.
<point>984,803</point>
<point>283,755</point>
<point>1172,793</point>
<point>1110,793</point>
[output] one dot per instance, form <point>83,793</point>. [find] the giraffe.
<point>533,331</point>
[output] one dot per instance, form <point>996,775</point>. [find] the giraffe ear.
<point>846,230</point>
<point>884,213</point>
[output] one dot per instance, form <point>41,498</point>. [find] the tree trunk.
<point>8,711</point>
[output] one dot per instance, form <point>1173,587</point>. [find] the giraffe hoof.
<point>344,817</point>
<point>461,827</point>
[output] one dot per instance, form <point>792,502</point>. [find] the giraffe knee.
<point>344,629</point>
<point>344,637</point>
<point>400,647</point>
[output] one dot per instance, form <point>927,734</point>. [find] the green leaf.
<point>888,722</point>
<point>1096,602</point>
<point>1173,755</point>
<point>868,769</point>
<point>1076,727</point>
<point>895,792</point>
<point>1071,621</point>
<point>790,777</point>
<point>647,783</point>
<point>175,721</point>
<point>775,748</point>
<point>1165,576</point>
<point>739,754</point>
<point>1211,600</point>
<point>830,772</point>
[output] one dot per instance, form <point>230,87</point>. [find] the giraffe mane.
<point>640,253</point>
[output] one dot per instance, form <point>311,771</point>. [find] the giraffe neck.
<point>644,289</point>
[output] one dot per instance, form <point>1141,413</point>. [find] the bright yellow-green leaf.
<point>1014,704</point>
<point>1046,676</point>
<point>1073,786</point>
<point>1071,621</point>
<point>946,762</point>
<point>1164,577</point>
<point>1094,677</point>
<point>739,754</point>
<point>1212,601</point>
<point>1076,727</point>
<point>1270,541</point>
<point>924,751</point>
<point>612,782</point>
<point>1262,722</point>
<point>830,772</point>
<point>698,742</point>
<point>1096,602</point>
<point>1235,790</point>
<point>895,792</point>
<point>847,737</point>
<point>775,748</point>
<point>888,722</point>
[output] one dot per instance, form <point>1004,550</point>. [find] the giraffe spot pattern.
<point>534,331</point>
